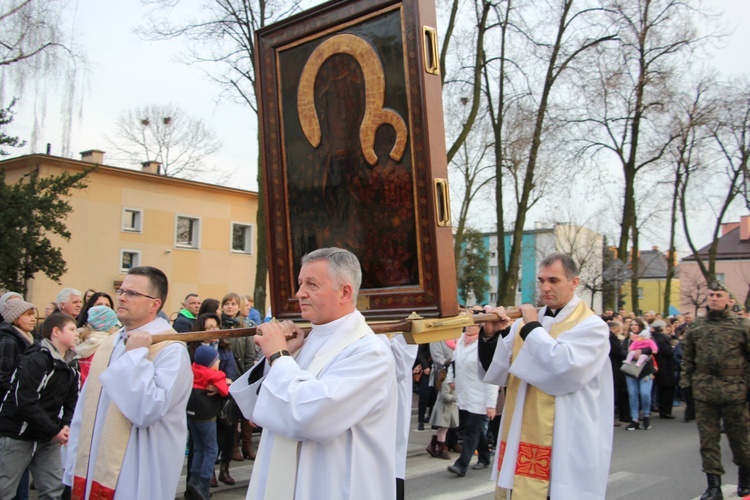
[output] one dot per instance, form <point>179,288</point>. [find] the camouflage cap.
<point>717,286</point>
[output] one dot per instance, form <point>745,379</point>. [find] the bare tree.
<point>575,30</point>
<point>28,29</point>
<point>691,112</point>
<point>466,84</point>
<point>37,54</point>
<point>628,95</point>
<point>474,173</point>
<point>167,134</point>
<point>223,42</point>
<point>726,176</point>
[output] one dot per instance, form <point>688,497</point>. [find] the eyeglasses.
<point>132,294</point>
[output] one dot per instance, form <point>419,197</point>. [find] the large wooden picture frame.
<point>353,153</point>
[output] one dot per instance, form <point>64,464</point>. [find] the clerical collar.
<point>552,312</point>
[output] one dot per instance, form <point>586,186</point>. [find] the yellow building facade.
<point>651,294</point>
<point>201,235</point>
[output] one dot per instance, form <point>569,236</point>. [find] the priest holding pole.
<point>328,402</point>
<point>556,432</point>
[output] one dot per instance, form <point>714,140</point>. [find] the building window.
<point>187,232</point>
<point>132,220</point>
<point>493,255</point>
<point>640,292</point>
<point>493,270</point>
<point>129,259</point>
<point>242,238</point>
<point>493,298</point>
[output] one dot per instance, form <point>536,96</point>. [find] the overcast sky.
<point>125,71</point>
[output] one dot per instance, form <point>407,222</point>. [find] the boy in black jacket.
<point>202,409</point>
<point>35,414</point>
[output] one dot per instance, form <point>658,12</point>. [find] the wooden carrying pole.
<point>417,330</point>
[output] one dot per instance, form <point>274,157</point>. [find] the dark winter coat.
<point>182,323</point>
<point>665,377</point>
<point>43,395</point>
<point>12,348</point>
<point>227,363</point>
<point>243,348</point>
<point>618,351</point>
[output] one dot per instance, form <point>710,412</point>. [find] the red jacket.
<point>202,376</point>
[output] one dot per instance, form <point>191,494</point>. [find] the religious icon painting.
<point>354,153</point>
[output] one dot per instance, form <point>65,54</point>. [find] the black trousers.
<point>475,438</point>
<point>666,400</point>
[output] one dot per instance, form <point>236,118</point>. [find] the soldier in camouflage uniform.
<point>716,367</point>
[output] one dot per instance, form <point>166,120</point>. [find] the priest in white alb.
<point>556,431</point>
<point>328,403</point>
<point>127,438</point>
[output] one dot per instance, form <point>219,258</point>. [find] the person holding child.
<point>639,387</point>
<point>640,345</point>
<point>35,414</point>
<point>202,408</point>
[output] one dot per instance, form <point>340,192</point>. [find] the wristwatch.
<point>277,355</point>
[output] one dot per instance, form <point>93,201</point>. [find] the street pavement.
<point>661,463</point>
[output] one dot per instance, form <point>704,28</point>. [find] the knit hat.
<point>645,334</point>
<point>7,296</point>
<point>102,318</point>
<point>14,309</point>
<point>206,355</point>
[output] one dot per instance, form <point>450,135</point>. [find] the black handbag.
<point>227,412</point>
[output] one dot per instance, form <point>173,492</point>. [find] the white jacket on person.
<point>472,394</point>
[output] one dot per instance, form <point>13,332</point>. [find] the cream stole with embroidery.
<point>114,442</point>
<point>534,458</point>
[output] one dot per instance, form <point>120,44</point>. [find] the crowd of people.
<point>645,353</point>
<point>91,397</point>
<point>85,321</point>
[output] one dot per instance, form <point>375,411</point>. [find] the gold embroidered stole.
<point>534,460</point>
<point>281,479</point>
<point>114,442</point>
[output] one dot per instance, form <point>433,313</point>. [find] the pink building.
<point>732,266</point>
